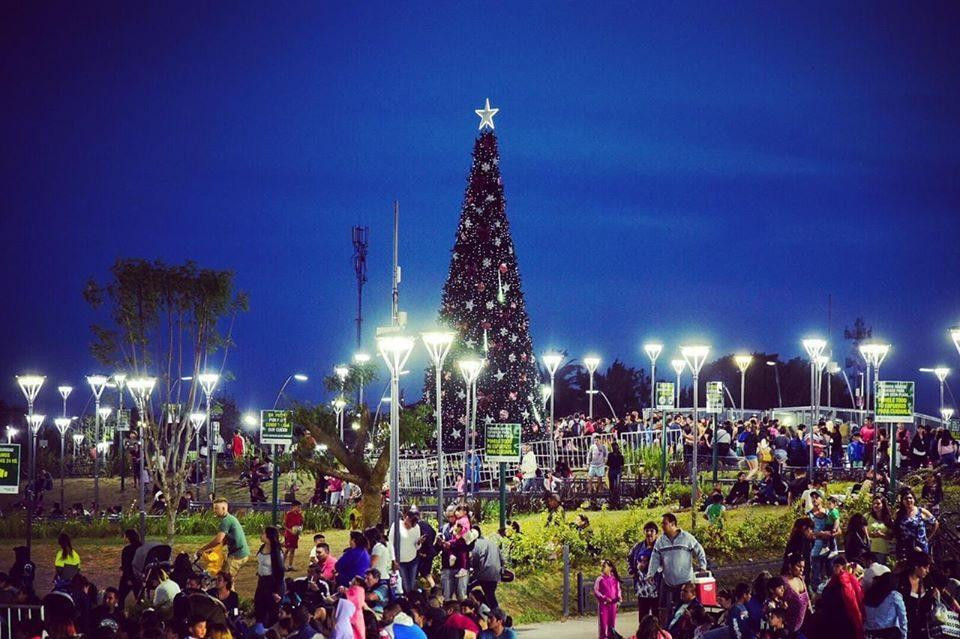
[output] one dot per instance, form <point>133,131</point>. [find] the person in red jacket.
<point>840,611</point>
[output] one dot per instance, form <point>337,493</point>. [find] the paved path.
<point>577,628</point>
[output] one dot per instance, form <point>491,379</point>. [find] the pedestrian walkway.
<point>576,628</point>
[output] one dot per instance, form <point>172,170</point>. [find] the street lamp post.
<point>361,359</point>
<point>695,356</point>
<point>743,363</point>
<point>776,376</point>
<point>832,369</point>
<point>104,413</point>
<point>197,419</point>
<point>678,366</point>
<point>338,405</point>
<point>62,424</point>
<point>11,433</point>
<point>120,379</point>
<point>395,349</point>
<point>470,370</point>
<point>653,350</point>
<point>141,388</point>
<point>941,372</point>
<point>814,347</point>
<point>97,384</point>
<point>30,386</point>
<point>438,346</point>
<point>208,382</point>
<point>65,393</point>
<point>591,363</point>
<point>297,376</point>
<point>873,354</point>
<point>552,362</point>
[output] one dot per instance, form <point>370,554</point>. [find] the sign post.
<point>665,401</point>
<point>9,469</point>
<point>714,407</point>
<point>503,447</point>
<point>894,404</point>
<point>276,429</point>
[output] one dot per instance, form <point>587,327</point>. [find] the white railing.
<point>419,471</point>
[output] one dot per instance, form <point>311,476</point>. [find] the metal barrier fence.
<point>420,472</point>
<point>12,616</point>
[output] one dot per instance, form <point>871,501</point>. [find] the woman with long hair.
<point>885,615</point>
<point>270,577</point>
<point>800,542</point>
<point>795,596</point>
<point>67,560</point>
<point>856,542</point>
<point>910,525</point>
<point>129,581</point>
<point>649,628</point>
<point>879,528</point>
<point>607,591</point>
<point>916,598</point>
<point>355,560</point>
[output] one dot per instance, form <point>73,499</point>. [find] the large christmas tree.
<point>483,303</point>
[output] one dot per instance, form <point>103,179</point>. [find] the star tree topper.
<point>486,115</point>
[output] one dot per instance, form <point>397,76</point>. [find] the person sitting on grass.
<point>740,491</point>
<point>715,510</point>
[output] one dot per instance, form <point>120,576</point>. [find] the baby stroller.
<point>151,558</point>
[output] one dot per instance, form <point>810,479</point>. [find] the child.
<point>776,589</point>
<point>715,510</point>
<point>461,530</point>
<point>738,619</point>
<point>855,451</point>
<point>607,591</point>
<point>292,527</point>
<point>833,523</point>
<point>196,627</point>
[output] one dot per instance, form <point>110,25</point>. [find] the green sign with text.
<point>9,469</point>
<point>895,401</point>
<point>665,395</point>
<point>276,428</point>
<point>503,443</point>
<point>714,397</point>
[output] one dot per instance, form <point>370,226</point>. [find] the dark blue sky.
<point>704,171</point>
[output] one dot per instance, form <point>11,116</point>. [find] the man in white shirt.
<point>528,468</point>
<point>596,464</point>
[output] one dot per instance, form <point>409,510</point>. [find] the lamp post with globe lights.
<point>208,382</point>
<point>141,388</point>
<point>470,370</point>
<point>438,345</point>
<point>814,347</point>
<point>653,350</point>
<point>591,362</point>
<point>695,355</point>
<point>743,363</point>
<point>552,362</point>
<point>395,350</point>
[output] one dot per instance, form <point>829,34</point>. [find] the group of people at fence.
<point>358,592</point>
<point>878,575</point>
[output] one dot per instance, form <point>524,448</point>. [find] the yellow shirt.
<point>73,559</point>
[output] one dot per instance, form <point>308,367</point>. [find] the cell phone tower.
<point>361,236</point>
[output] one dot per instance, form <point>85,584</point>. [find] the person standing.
<point>229,533</point>
<point>638,561</point>
<point>270,577</point>
<point>674,554</point>
<point>408,559</point>
<point>487,563</point>
<point>885,614</point>
<point>129,582</point>
<point>910,525</point>
<point>292,527</point>
<point>607,591</point>
<point>615,464</point>
<point>528,468</point>
<point>840,608</point>
<point>596,464</point>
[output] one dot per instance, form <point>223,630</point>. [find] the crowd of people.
<point>361,591</point>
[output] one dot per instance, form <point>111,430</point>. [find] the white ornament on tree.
<point>469,305</point>
<point>486,115</point>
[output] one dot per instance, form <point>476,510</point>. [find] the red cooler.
<point>706,588</point>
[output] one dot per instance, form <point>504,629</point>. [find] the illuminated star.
<point>486,115</point>
<point>500,375</point>
<point>455,433</point>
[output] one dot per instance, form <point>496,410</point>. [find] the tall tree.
<point>166,322</point>
<point>483,303</point>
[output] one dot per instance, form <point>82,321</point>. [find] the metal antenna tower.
<point>361,235</point>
